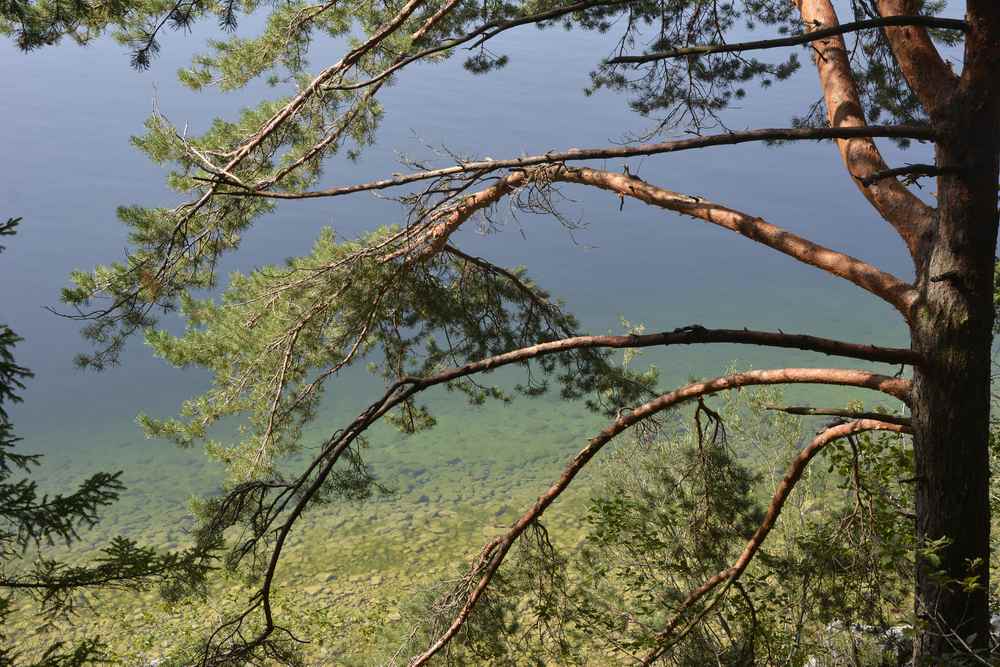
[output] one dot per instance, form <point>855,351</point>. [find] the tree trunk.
<point>952,329</point>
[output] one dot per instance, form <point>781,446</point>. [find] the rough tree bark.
<point>951,327</point>
<point>951,323</point>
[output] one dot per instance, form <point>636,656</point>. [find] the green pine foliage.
<point>33,524</point>
<point>302,323</point>
<point>175,250</point>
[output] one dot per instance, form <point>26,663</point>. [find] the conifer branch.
<point>484,32</point>
<point>279,118</point>
<point>919,132</point>
<point>794,40</point>
<point>886,286</point>
<point>870,278</point>
<point>666,638</point>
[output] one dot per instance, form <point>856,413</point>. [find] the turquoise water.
<point>67,117</point>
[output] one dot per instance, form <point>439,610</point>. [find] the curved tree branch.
<point>484,32</point>
<point>927,74</point>
<point>886,286</point>
<point>375,83</point>
<point>900,207</point>
<point>794,40</point>
<point>792,476</point>
<point>495,551</point>
<point>442,224</point>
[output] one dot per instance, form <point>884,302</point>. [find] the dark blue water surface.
<point>68,113</point>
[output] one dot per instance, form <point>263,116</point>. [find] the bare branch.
<point>922,133</point>
<point>804,38</point>
<point>444,223</point>
<point>493,554</point>
<point>835,412</point>
<point>733,573</point>
<point>911,172</point>
<point>696,334</point>
<point>880,283</point>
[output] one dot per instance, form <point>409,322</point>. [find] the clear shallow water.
<point>67,116</point>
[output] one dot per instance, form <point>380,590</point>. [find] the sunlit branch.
<point>342,127</point>
<point>804,38</point>
<point>907,214</point>
<point>880,283</point>
<point>666,637</point>
<point>693,335</point>
<point>443,223</point>
<point>493,554</point>
<point>607,153</point>
<point>373,85</point>
<point>288,111</point>
<point>484,32</point>
<point>927,74</point>
<point>884,285</point>
<point>433,20</point>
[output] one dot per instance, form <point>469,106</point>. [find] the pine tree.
<point>438,316</point>
<point>32,525</point>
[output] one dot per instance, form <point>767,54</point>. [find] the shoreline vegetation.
<point>356,570</point>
